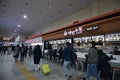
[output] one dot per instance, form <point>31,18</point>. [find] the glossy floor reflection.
<point>9,70</point>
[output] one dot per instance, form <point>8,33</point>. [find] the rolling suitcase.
<point>46,69</point>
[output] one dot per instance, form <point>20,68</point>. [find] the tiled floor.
<point>9,70</point>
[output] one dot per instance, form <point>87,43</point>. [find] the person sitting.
<point>115,51</point>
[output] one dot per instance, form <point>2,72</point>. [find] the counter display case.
<point>86,39</point>
<point>80,44</point>
<point>112,37</point>
<point>58,41</point>
<point>77,40</point>
<point>99,38</point>
<point>51,42</point>
<point>68,40</point>
<point>62,41</point>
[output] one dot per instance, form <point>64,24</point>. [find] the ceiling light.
<point>18,25</point>
<point>25,16</point>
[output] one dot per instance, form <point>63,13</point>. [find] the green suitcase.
<point>46,69</point>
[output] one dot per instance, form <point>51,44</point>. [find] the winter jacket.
<point>67,54</point>
<point>92,56</point>
<point>37,55</point>
<point>103,64</point>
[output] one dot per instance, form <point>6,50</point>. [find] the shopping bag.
<point>46,69</point>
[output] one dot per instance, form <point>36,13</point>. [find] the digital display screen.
<point>46,45</point>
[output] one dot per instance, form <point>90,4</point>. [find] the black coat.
<point>103,64</point>
<point>17,50</point>
<point>60,53</point>
<point>37,55</point>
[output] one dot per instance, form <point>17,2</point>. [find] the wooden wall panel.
<point>110,25</point>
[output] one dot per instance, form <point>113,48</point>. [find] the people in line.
<point>92,62</point>
<point>103,64</point>
<point>67,55</point>
<point>30,51</point>
<point>5,48</point>
<point>115,51</point>
<point>9,50</point>
<point>0,49</point>
<point>37,55</point>
<point>96,58</point>
<point>16,53</point>
<point>22,53</point>
<point>74,60</point>
<point>54,55</point>
<point>50,54</point>
<point>60,58</point>
<point>13,48</point>
<point>26,50</point>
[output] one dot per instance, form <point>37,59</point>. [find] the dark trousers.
<point>22,57</point>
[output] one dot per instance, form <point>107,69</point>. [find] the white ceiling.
<point>41,13</point>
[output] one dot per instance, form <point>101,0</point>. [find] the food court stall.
<point>34,40</point>
<point>103,29</point>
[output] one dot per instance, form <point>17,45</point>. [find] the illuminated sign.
<point>92,28</point>
<point>73,32</point>
<point>6,38</point>
<point>35,40</point>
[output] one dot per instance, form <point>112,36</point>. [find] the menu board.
<point>63,41</point>
<point>112,37</point>
<point>76,40</point>
<point>99,38</point>
<point>68,40</point>
<point>58,41</point>
<point>86,39</point>
<point>51,42</point>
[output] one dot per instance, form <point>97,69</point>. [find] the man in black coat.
<point>37,55</point>
<point>103,64</point>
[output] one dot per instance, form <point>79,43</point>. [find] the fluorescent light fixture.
<point>25,16</point>
<point>40,43</point>
<point>50,42</point>
<point>18,25</point>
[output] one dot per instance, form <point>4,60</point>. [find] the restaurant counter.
<point>81,56</point>
<point>114,63</point>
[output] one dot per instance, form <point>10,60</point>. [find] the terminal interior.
<point>52,24</point>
